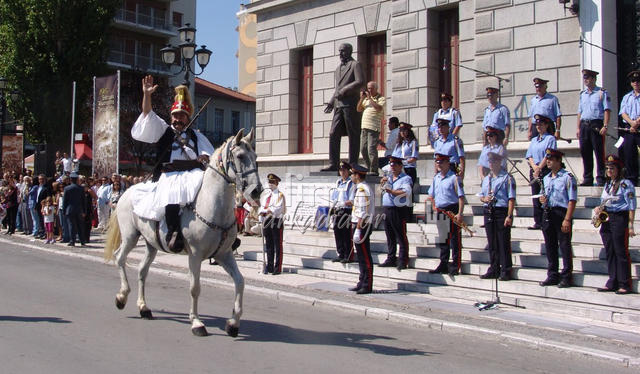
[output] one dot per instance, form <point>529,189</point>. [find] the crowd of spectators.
<point>27,202</point>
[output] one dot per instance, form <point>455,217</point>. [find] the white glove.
<point>357,235</point>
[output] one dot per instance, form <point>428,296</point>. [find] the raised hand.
<point>147,85</point>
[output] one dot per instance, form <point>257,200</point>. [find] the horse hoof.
<point>232,331</point>
<point>119,304</point>
<point>199,331</point>
<point>146,314</point>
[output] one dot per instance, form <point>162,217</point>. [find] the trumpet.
<point>603,216</point>
<point>461,223</point>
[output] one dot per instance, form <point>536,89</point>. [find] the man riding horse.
<point>181,153</point>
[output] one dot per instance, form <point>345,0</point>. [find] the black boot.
<point>174,236</point>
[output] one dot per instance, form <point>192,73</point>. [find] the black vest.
<point>163,148</point>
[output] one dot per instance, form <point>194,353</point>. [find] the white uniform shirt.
<point>363,204</point>
<point>273,201</point>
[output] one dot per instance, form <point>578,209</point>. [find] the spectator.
<point>88,213</point>
<point>27,222</point>
<point>11,204</point>
<point>103,203</point>
<point>59,164</point>
<point>48,214</point>
<point>74,209</point>
<point>67,164</point>
<point>61,216</point>
<point>371,105</point>
<point>114,195</point>
<point>392,139</point>
<point>43,192</point>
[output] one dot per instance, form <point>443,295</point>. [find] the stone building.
<point>416,49</point>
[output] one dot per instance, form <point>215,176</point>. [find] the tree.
<point>44,47</point>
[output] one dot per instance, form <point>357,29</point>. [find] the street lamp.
<point>187,49</point>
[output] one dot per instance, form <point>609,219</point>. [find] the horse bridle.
<point>222,166</point>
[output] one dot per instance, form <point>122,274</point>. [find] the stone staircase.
<point>310,253</point>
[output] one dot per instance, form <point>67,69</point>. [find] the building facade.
<point>227,112</point>
<point>416,49</point>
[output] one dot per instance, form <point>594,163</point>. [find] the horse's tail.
<point>113,239</point>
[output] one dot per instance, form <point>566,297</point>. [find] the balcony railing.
<point>143,19</point>
<point>137,62</point>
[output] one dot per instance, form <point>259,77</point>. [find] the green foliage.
<point>45,45</point>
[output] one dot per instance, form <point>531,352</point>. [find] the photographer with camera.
<point>499,196</point>
<point>371,105</point>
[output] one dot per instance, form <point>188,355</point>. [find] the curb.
<point>376,313</point>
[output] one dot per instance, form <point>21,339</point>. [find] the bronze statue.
<point>346,119</point>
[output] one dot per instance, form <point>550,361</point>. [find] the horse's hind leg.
<point>197,327</point>
<point>126,246</point>
<point>229,264</point>
<point>143,271</point>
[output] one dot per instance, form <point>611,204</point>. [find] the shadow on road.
<point>257,331</point>
<point>33,319</point>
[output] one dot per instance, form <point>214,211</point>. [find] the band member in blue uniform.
<point>559,202</point>
<point>630,113</point>
<point>593,118</point>
<point>498,195</point>
<point>396,200</point>
<point>341,205</point>
<point>407,149</point>
<point>446,194</point>
<point>497,116</point>
<point>615,232</point>
<point>273,206</point>
<point>450,145</point>
<point>361,218</point>
<point>492,145</point>
<point>545,104</point>
<point>448,112</point>
<point>536,157</point>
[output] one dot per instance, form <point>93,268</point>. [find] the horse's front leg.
<point>121,262</point>
<point>143,271</point>
<point>229,264</point>
<point>197,327</point>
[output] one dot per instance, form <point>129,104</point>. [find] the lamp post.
<point>187,50</point>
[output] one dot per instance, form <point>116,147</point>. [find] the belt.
<point>497,208</point>
<point>590,121</point>
<point>620,213</point>
<point>182,165</point>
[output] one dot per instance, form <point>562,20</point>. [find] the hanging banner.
<point>106,124</point>
<point>12,153</point>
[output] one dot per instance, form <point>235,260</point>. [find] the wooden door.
<point>305,102</point>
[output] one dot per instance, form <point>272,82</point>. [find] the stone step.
<point>516,287</point>
<point>580,264</point>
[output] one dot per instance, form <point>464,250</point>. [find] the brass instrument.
<point>452,217</point>
<point>603,216</point>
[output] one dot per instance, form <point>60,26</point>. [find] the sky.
<point>216,24</point>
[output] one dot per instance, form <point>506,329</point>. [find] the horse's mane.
<point>218,150</point>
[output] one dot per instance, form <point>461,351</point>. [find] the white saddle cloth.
<point>178,187</point>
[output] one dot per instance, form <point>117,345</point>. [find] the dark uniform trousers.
<point>365,262</point>
<point>395,227</point>
<point>346,121</point>
<point>342,233</point>
<point>615,237</point>
<point>630,155</point>
<point>591,142</point>
<point>555,239</point>
<point>76,228</point>
<point>273,229</point>
<point>499,238</point>
<point>452,242</point>
<point>535,190</point>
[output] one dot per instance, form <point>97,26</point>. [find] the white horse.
<point>208,226</point>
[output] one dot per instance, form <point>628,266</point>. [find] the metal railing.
<point>137,62</point>
<point>143,19</point>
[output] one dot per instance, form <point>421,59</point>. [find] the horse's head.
<point>244,166</point>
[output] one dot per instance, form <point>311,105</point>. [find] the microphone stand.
<point>499,78</point>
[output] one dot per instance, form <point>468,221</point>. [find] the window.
<point>177,19</point>
<point>235,122</point>
<point>305,101</point>
<point>218,126</point>
<point>448,45</point>
<point>376,68</point>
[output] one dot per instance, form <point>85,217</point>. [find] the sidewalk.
<point>611,341</point>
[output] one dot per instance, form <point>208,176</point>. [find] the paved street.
<point>58,316</point>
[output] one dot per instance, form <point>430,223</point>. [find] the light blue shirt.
<point>560,189</point>
<point>407,150</point>
<point>538,146</point>
<point>593,103</point>
<point>498,117</point>
<point>503,187</point>
<point>624,197</point>
<point>451,146</point>
<point>546,105</point>
<point>483,159</point>
<point>342,193</point>
<point>630,105</point>
<point>454,117</point>
<point>402,182</point>
<point>446,190</point>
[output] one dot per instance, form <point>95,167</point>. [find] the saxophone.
<point>603,216</point>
